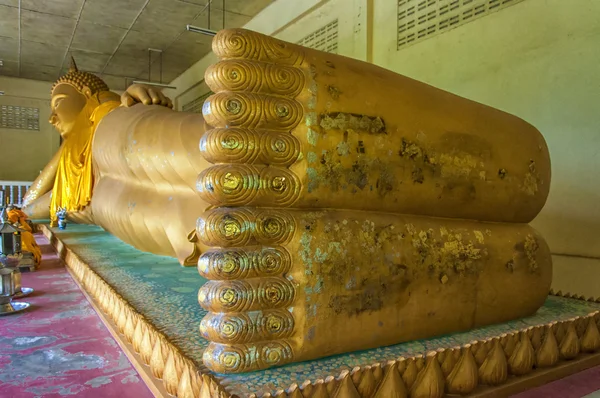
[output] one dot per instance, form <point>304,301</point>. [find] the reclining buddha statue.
<point>332,205</point>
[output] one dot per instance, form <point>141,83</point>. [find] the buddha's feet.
<point>295,127</point>
<point>292,285</point>
<point>296,131</point>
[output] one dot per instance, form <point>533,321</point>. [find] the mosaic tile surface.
<point>165,293</point>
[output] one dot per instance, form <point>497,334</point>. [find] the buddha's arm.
<point>39,209</point>
<point>44,182</point>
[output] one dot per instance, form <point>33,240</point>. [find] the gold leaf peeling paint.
<point>459,165</point>
<point>451,253</point>
<point>443,258</point>
<point>334,92</point>
<point>347,122</point>
<point>532,179</point>
<point>531,248</point>
<point>453,165</point>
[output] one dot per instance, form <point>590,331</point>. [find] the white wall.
<point>537,59</point>
<point>24,153</point>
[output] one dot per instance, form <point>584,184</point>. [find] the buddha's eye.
<point>57,103</point>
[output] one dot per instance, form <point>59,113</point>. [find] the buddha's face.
<point>66,104</point>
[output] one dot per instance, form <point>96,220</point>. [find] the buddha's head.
<point>70,95</point>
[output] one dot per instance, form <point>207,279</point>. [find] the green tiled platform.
<point>166,293</point>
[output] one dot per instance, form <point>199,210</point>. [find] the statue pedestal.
<point>150,305</point>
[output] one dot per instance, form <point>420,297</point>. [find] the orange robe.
<point>28,243</point>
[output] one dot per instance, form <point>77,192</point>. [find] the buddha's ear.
<point>86,91</point>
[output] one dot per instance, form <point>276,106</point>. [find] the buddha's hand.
<point>141,93</point>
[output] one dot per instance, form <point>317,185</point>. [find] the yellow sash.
<point>74,176</point>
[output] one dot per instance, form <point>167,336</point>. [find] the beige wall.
<point>537,59</point>
<point>24,153</point>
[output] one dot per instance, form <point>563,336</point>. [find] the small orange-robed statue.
<point>28,244</point>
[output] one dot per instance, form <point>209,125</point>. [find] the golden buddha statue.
<point>337,206</point>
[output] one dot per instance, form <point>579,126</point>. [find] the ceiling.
<point>111,38</point>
